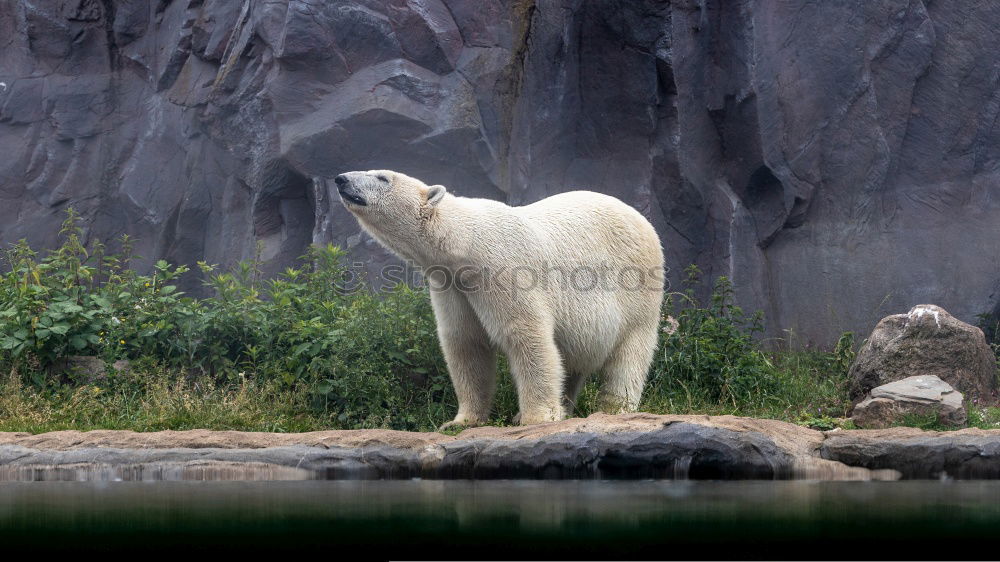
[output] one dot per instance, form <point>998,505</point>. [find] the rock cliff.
<point>838,160</point>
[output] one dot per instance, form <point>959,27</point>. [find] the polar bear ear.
<point>435,194</point>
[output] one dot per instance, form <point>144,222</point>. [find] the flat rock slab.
<point>925,394</point>
<point>600,446</point>
<point>927,389</point>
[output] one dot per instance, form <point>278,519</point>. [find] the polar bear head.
<point>393,207</point>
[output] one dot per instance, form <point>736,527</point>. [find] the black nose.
<point>340,180</point>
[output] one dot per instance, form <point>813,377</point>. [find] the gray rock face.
<point>924,394</point>
<point>964,454</point>
<point>834,159</point>
<point>600,446</point>
<point>926,341</point>
<point>678,451</point>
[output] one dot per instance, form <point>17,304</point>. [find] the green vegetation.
<point>301,352</point>
<point>300,344</point>
<point>990,325</point>
<point>713,364</point>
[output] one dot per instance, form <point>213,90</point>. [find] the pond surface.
<point>498,519</point>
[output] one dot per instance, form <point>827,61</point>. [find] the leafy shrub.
<point>712,354</point>
<point>75,301</point>
<point>371,359</point>
<point>818,422</point>
<point>989,323</point>
<point>843,352</point>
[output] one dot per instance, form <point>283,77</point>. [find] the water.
<point>497,519</point>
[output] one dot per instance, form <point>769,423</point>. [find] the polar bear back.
<point>579,223</point>
<point>578,230</point>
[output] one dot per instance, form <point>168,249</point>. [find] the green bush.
<point>990,325</point>
<point>712,352</point>
<point>371,359</point>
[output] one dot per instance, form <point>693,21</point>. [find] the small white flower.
<point>115,320</point>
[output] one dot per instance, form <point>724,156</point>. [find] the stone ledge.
<point>600,446</point>
<point>915,454</point>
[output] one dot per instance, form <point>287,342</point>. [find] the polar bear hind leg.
<point>626,370</point>
<point>537,370</point>
<point>571,390</point>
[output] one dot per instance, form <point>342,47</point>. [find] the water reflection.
<point>155,472</point>
<point>596,518</point>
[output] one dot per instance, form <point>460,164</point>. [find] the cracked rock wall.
<point>839,160</point>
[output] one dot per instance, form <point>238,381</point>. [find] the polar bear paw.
<point>537,417</point>
<point>460,423</point>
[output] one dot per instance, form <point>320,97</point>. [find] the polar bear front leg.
<point>471,360</point>
<point>537,369</point>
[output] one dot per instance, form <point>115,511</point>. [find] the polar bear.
<point>565,287</point>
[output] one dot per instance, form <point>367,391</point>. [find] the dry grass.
<point>159,400</point>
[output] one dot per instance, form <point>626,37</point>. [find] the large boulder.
<point>85,369</point>
<point>921,395</point>
<point>926,341</point>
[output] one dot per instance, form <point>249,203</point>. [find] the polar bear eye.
<point>383,178</point>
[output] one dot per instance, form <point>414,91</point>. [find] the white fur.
<point>554,335</point>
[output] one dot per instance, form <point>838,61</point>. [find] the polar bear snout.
<point>347,192</point>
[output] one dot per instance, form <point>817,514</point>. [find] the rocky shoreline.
<point>598,447</point>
